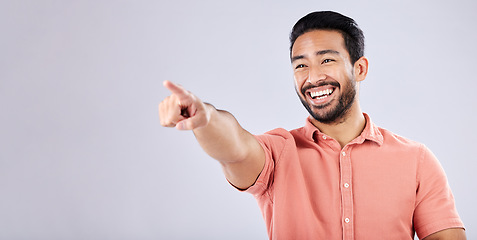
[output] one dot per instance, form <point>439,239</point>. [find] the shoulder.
<point>393,139</point>
<point>281,134</point>
<point>279,139</point>
<point>418,152</point>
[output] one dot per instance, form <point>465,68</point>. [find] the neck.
<point>346,129</point>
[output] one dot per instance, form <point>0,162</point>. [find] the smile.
<point>321,94</point>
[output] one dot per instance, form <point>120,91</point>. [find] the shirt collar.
<point>370,132</point>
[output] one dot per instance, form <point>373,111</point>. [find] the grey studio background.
<point>82,153</point>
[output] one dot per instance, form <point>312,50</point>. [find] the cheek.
<point>298,85</point>
<point>300,78</point>
<point>339,75</point>
<point>296,80</point>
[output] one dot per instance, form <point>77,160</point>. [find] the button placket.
<point>346,193</point>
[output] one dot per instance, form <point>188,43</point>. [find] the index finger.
<point>174,88</point>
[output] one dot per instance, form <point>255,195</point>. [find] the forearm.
<point>223,138</point>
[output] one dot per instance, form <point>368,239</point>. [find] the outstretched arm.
<point>218,133</point>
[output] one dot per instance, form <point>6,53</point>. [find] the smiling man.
<point>338,177</point>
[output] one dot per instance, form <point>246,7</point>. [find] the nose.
<point>315,75</point>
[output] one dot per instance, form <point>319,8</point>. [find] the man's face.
<point>324,79</point>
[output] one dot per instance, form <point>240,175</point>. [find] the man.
<point>339,176</point>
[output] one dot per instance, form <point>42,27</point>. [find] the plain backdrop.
<point>82,153</point>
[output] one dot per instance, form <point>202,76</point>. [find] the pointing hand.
<point>182,109</point>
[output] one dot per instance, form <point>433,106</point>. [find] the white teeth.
<point>322,93</point>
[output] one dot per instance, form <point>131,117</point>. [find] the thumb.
<point>192,123</point>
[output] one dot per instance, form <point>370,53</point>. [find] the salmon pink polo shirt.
<point>378,186</point>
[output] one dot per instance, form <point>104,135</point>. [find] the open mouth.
<point>321,94</point>
<point>318,95</point>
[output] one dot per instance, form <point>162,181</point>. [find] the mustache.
<point>322,83</point>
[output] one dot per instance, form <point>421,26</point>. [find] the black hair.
<point>327,20</point>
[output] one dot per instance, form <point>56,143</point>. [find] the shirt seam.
<point>283,149</point>
<point>266,190</point>
<point>418,165</point>
<point>279,158</point>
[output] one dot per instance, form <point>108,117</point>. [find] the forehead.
<point>319,40</point>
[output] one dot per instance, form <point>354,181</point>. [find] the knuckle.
<point>167,122</point>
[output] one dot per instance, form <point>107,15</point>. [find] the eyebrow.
<point>322,52</point>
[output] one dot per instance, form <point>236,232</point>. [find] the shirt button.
<point>324,137</point>
<point>343,153</point>
<point>346,220</point>
<point>346,185</point>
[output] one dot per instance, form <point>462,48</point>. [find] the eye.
<point>300,66</point>
<point>327,61</point>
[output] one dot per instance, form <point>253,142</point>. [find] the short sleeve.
<point>435,206</point>
<point>273,143</point>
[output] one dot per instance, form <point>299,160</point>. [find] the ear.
<point>361,69</point>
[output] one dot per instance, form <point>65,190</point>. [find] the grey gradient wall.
<point>82,153</point>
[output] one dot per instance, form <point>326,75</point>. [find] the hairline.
<point>343,36</point>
